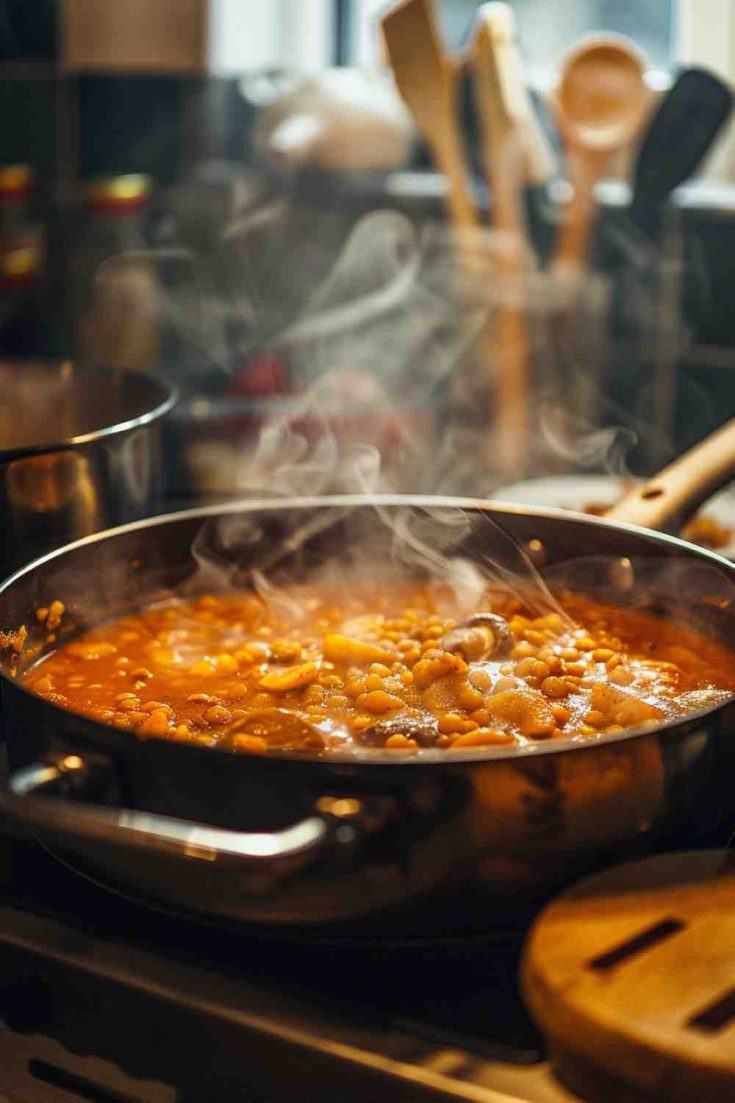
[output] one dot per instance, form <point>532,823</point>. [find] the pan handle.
<point>33,797</point>
<point>670,498</point>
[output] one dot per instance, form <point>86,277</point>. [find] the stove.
<point>105,1000</point>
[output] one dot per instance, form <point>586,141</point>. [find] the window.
<point>547,28</point>
<point>246,35</point>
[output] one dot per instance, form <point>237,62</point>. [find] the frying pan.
<point>295,839</point>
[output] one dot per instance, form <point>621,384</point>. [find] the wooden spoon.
<point>428,82</point>
<point>601,103</point>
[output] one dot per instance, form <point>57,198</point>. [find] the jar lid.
<point>123,193</point>
<point>16,181</point>
<point>20,262</point>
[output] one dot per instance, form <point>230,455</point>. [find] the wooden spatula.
<point>502,108</point>
<point>629,975</point>
<point>428,82</point>
<point>540,162</point>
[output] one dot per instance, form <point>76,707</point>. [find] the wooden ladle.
<point>601,103</point>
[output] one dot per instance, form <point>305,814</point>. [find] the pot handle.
<point>32,797</point>
<point>670,498</point>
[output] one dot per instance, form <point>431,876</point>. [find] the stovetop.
<point>105,1000</point>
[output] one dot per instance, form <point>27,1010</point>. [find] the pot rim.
<point>164,401</point>
<point>431,758</point>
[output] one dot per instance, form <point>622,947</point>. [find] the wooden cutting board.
<point>631,976</point>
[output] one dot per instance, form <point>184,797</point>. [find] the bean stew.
<point>387,668</point>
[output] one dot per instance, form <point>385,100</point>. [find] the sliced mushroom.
<point>482,636</point>
<point>423,729</point>
<point>279,728</point>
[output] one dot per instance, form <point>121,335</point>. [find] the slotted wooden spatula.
<point>631,976</point>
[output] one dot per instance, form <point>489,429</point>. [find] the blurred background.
<point>232,194</point>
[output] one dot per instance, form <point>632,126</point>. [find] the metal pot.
<point>79,452</point>
<point>298,839</point>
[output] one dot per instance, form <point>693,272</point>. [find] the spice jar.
<point>22,251</point>
<point>115,286</point>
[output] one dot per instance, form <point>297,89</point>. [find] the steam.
<point>573,438</point>
<point>617,366</point>
<point>364,541</point>
<point>390,308</point>
<point>380,334</point>
<point>278,263</point>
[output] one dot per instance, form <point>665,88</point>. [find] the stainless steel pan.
<point>297,839</point>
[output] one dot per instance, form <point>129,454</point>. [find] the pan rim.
<point>162,403</point>
<point>497,505</point>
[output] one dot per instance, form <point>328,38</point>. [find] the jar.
<point>115,288</point>
<point>22,257</point>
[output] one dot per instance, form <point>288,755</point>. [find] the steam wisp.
<point>379,331</point>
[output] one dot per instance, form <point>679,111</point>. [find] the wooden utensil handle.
<point>510,423</point>
<point>448,155</point>
<point>585,170</point>
<point>539,161</point>
<point>667,500</point>
<point>500,99</point>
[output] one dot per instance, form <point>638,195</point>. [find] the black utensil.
<point>679,135</point>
